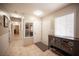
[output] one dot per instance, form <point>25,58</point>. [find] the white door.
<point>46,29</point>
<point>37,31</point>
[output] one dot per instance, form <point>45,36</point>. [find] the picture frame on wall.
<point>5,21</point>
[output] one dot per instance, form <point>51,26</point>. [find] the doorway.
<point>15,29</point>
<point>28,34</point>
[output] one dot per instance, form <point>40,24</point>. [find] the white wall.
<point>4,43</point>
<point>4,37</point>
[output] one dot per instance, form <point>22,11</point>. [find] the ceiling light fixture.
<point>38,13</point>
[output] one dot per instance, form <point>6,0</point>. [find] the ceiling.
<point>29,8</point>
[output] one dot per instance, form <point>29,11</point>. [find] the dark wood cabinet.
<point>67,45</point>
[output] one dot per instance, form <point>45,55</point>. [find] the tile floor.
<point>17,49</point>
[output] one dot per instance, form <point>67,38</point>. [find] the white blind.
<point>64,25</point>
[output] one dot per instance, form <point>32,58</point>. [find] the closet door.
<point>37,31</point>
<point>46,29</point>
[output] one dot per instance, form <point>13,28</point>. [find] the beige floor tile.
<point>17,49</point>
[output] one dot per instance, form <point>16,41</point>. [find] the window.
<point>64,25</point>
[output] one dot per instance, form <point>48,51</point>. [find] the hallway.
<point>52,25</point>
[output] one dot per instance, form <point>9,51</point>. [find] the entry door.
<point>29,30</point>
<point>28,34</point>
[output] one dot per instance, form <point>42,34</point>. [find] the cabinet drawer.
<point>67,46</point>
